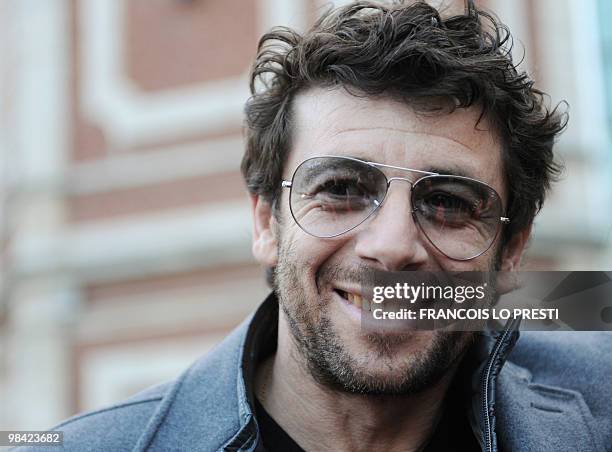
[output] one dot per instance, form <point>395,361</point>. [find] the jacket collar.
<point>210,406</point>
<point>479,374</point>
<point>509,411</point>
<point>207,407</point>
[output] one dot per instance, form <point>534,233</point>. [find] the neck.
<point>321,418</point>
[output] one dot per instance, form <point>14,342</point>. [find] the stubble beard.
<point>326,358</point>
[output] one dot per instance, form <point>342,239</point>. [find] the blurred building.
<point>124,223</point>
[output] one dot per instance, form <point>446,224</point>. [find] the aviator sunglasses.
<point>332,195</point>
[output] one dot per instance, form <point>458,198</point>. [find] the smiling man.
<point>388,138</point>
<point>347,386</point>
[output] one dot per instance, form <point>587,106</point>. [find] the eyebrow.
<point>450,171</point>
<point>311,177</point>
<point>441,170</point>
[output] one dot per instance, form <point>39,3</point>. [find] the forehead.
<point>334,122</point>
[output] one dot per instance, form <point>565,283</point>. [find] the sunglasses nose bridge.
<point>401,179</point>
<point>391,179</point>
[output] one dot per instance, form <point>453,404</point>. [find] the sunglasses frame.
<point>502,220</point>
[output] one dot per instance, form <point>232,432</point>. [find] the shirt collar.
<point>259,342</point>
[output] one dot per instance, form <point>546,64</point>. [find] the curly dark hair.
<point>407,51</point>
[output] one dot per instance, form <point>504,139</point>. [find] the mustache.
<point>367,276</point>
<point>357,274</point>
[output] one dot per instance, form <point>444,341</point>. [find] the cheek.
<point>305,253</point>
<point>484,263</point>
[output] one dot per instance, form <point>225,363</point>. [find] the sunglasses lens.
<point>332,195</point>
<point>459,216</point>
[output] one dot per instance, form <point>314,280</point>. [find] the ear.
<point>264,232</point>
<point>514,249</point>
<point>507,278</point>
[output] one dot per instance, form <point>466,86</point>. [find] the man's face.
<point>312,273</point>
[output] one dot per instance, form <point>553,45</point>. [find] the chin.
<point>384,364</point>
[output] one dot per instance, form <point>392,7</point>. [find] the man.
<point>387,138</point>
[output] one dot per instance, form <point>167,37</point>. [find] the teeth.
<point>358,301</point>
<point>354,299</point>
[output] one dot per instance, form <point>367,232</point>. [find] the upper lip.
<point>350,290</point>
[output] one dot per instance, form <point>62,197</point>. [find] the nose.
<point>391,238</point>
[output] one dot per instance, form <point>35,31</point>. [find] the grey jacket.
<point>548,391</point>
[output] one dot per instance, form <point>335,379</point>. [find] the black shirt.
<point>272,435</point>
<point>453,433</point>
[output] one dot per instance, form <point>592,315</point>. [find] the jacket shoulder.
<point>203,406</point>
<point>117,427</point>
<point>578,353</point>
